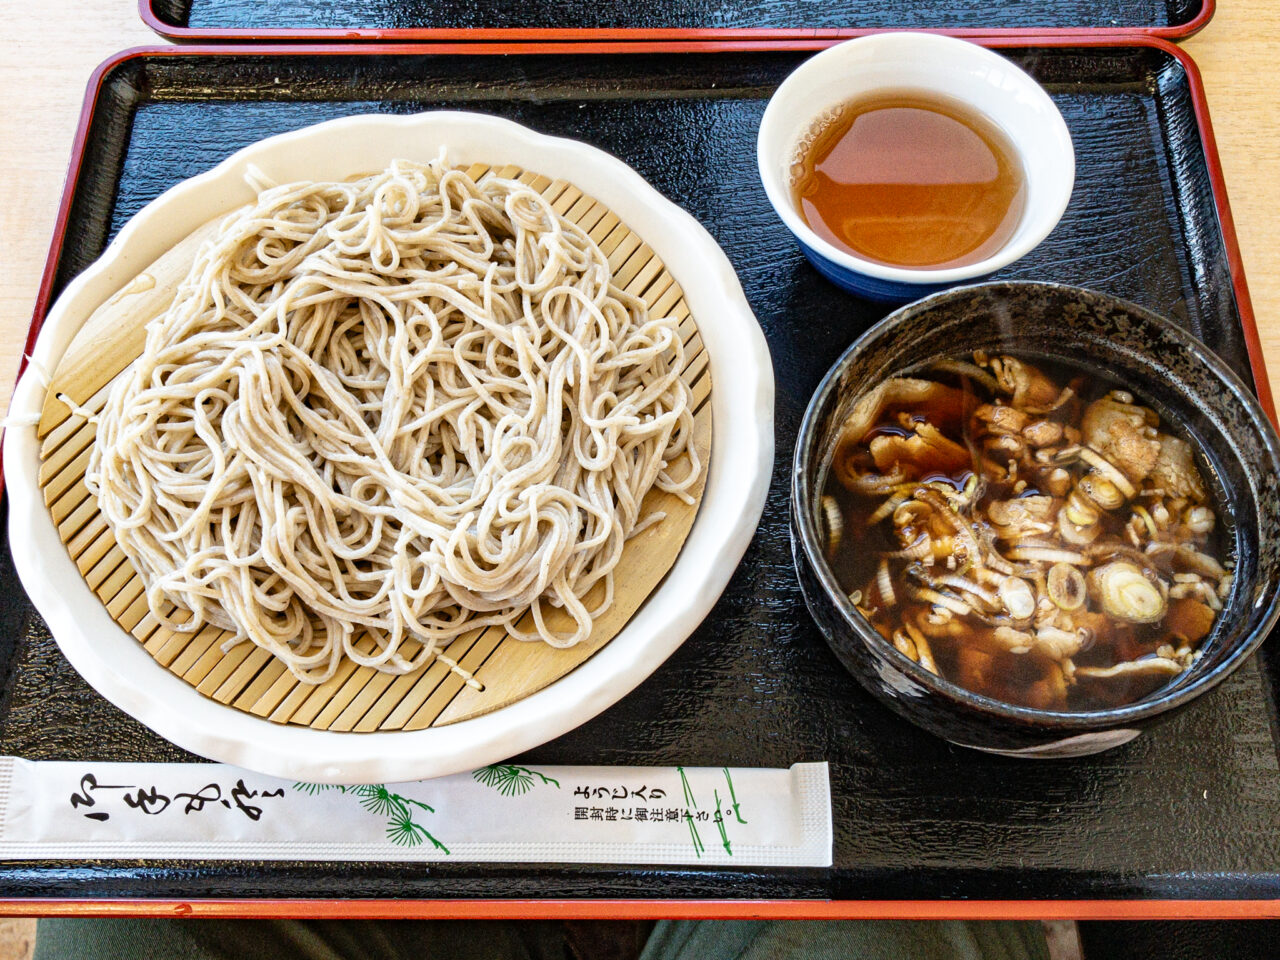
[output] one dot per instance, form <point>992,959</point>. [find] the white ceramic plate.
<point>741,461</point>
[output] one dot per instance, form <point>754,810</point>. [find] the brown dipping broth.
<point>911,179</point>
<point>970,659</point>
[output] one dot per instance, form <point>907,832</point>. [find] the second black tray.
<point>655,19</point>
<point>1190,810</point>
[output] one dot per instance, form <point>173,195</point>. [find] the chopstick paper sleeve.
<point>506,812</point>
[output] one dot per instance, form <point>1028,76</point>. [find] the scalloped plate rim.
<point>118,667</point>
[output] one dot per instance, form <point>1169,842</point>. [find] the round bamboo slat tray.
<point>357,699</point>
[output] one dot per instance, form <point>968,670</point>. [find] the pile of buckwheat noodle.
<point>404,406</point>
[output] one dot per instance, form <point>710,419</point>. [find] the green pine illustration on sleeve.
<point>733,797</point>
<point>510,780</point>
<point>725,813</point>
<point>402,829</point>
<point>691,803</point>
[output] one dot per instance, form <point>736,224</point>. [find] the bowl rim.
<point>779,197</point>
<point>1161,700</point>
<point>740,467</point>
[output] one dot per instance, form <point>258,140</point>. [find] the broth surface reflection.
<point>1028,531</point>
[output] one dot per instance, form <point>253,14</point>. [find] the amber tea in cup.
<point>910,179</point>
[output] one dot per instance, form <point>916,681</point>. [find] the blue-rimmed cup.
<point>929,65</point>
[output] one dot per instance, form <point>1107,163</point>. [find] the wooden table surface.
<point>53,46</point>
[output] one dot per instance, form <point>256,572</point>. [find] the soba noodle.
<point>400,407</point>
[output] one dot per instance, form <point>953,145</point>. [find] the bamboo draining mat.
<point>357,699</point>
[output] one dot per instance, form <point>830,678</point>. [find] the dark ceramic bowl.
<point>1166,368</point>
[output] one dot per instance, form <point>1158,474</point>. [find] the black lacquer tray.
<point>656,19</point>
<point>1189,811</point>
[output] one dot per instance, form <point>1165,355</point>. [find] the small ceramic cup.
<point>917,63</point>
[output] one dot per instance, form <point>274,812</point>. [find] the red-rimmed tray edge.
<point>146,9</point>
<point>655,909</point>
<point>643,909</point>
